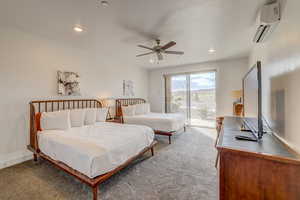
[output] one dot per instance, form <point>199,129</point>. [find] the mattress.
<point>158,121</point>
<point>97,149</point>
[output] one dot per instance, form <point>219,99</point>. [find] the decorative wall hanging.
<point>68,83</point>
<point>128,89</point>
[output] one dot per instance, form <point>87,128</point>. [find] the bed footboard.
<point>94,182</point>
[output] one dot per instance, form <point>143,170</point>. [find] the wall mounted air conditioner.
<point>268,20</point>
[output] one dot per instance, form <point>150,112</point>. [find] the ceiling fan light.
<point>78,29</point>
<point>211,50</point>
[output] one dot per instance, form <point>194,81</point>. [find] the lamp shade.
<point>108,102</point>
<point>237,94</point>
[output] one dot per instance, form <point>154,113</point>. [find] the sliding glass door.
<point>203,99</point>
<point>179,96</point>
<point>192,94</point>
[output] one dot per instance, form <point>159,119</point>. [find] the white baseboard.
<point>14,158</point>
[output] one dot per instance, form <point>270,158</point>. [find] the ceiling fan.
<point>160,50</point>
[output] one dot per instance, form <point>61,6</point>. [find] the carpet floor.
<point>183,170</point>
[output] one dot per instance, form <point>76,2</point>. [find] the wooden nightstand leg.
<point>217,138</point>
<point>169,139</point>
<point>35,157</point>
<point>217,160</point>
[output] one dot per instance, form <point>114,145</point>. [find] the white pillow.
<point>140,109</point>
<point>143,108</point>
<point>90,116</point>
<point>101,114</point>
<point>77,117</point>
<point>146,108</point>
<point>59,120</point>
<point>128,110</point>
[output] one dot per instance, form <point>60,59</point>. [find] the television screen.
<point>252,100</point>
<point>251,94</point>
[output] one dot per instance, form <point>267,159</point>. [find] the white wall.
<point>280,57</point>
<point>229,77</point>
<point>28,67</point>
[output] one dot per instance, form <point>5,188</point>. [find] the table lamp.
<point>237,95</point>
<point>108,103</point>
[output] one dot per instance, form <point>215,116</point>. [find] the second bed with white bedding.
<point>167,122</point>
<point>97,149</point>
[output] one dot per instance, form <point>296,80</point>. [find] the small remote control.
<point>243,137</point>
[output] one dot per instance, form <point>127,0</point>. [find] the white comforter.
<point>98,149</point>
<point>158,121</point>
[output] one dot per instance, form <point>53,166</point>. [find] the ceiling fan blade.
<point>144,54</point>
<point>160,56</point>
<point>142,46</point>
<point>174,52</point>
<point>170,44</point>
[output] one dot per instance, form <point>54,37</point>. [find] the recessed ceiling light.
<point>104,3</point>
<point>211,50</point>
<point>78,28</point>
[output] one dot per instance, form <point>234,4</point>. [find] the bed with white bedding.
<point>137,111</point>
<point>167,122</point>
<point>72,135</point>
<point>97,149</point>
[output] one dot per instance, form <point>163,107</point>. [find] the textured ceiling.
<point>196,26</point>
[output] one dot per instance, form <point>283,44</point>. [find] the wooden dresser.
<point>267,170</point>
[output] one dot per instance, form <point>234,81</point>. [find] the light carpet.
<point>183,170</point>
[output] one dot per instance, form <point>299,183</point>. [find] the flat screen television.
<point>252,101</point>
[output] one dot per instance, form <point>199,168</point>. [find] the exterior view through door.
<point>194,95</point>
